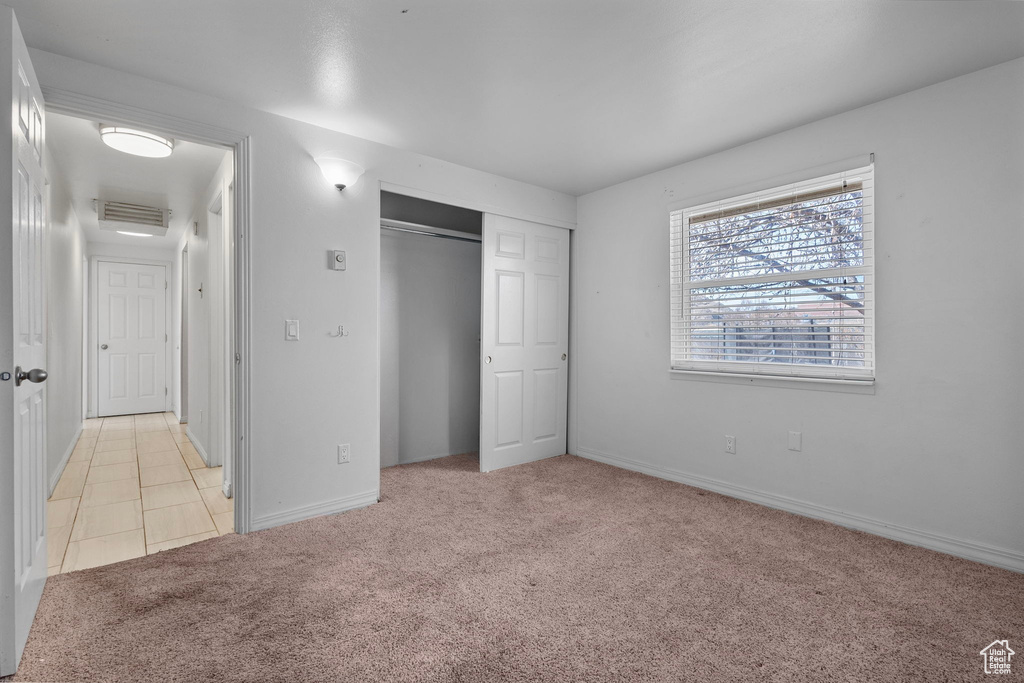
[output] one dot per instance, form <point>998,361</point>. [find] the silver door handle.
<point>103,346</point>
<point>487,360</point>
<point>35,376</point>
<point>563,356</point>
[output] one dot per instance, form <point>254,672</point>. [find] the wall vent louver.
<point>132,217</point>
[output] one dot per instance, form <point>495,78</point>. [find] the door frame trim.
<point>94,311</point>
<point>183,332</point>
<point>86,365</point>
<point>84,106</point>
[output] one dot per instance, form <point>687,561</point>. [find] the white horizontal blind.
<point>779,282</point>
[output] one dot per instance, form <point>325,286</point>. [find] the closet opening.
<point>430,330</point>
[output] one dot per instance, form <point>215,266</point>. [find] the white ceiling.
<point>94,171</point>
<point>573,95</point>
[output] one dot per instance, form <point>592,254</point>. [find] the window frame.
<point>681,334</point>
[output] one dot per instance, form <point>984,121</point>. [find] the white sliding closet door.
<point>524,342</point>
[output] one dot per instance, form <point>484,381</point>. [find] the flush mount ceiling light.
<point>133,234</point>
<point>339,172</point>
<point>137,142</point>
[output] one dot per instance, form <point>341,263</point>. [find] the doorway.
<point>57,444</point>
<point>142,477</point>
<point>430,330</point>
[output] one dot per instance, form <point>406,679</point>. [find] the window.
<point>777,283</point>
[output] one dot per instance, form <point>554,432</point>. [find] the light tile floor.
<point>134,485</point>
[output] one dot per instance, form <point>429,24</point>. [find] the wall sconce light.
<point>339,172</point>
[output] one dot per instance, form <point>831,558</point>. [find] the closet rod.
<point>429,231</point>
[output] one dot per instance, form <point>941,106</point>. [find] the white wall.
<point>65,325</point>
<point>208,317</point>
<point>309,396</point>
<point>199,328</point>
<point>430,347</point>
<point>933,453</point>
<point>128,251</point>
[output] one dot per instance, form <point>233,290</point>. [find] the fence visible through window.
<point>777,283</point>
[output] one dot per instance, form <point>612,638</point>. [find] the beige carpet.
<point>564,570</point>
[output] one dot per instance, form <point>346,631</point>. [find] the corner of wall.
<point>62,463</point>
<point>969,550</point>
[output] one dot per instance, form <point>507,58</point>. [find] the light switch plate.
<point>338,260</point>
<point>291,330</point>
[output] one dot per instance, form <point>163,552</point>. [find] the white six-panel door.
<point>23,312</point>
<point>524,342</point>
<point>131,330</point>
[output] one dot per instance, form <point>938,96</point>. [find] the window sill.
<point>850,386</point>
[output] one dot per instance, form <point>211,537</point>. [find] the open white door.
<point>131,329</point>
<point>524,342</point>
<point>22,350</point>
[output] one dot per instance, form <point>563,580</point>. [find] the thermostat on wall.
<point>338,261</point>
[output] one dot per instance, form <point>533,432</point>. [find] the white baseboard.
<point>64,461</point>
<point>978,552</point>
<point>331,507</point>
<point>198,445</point>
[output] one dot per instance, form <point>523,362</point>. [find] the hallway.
<point>134,486</point>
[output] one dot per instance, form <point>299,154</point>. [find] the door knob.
<point>35,376</point>
<point>103,346</point>
<point>487,360</point>
<point>563,356</point>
